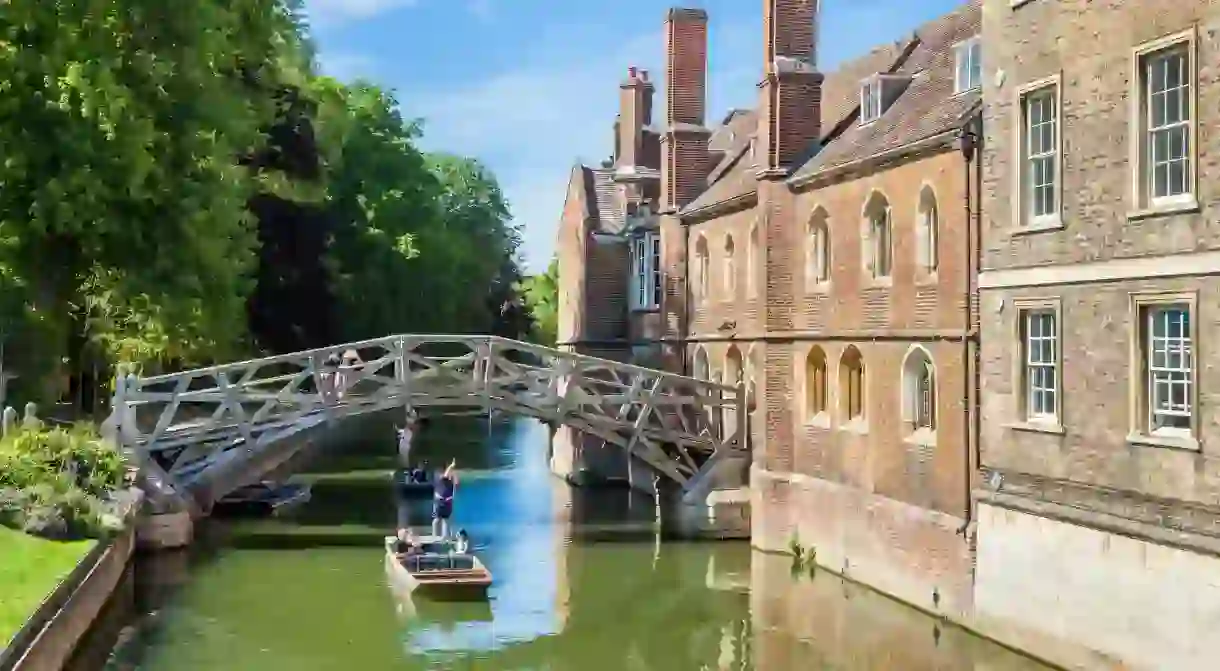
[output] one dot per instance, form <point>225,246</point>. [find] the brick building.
<point>817,249</point>
<point>1102,444</point>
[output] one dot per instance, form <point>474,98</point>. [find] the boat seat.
<point>437,562</point>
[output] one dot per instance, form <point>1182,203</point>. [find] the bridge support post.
<point>586,461</point>
<point>716,503</point>
<point>165,518</point>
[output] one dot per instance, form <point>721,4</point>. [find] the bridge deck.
<point>212,427</point>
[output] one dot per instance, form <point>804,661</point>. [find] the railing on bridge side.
<point>192,427</point>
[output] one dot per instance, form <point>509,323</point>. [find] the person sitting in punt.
<point>407,544</point>
<point>462,545</point>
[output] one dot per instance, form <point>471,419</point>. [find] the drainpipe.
<point>685,332</point>
<point>967,143</point>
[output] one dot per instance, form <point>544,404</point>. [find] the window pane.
<point>1040,345</point>
<point>1168,348</point>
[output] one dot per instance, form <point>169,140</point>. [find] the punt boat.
<point>408,488</point>
<point>262,499</point>
<point>438,572</point>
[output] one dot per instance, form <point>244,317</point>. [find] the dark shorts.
<point>442,509</point>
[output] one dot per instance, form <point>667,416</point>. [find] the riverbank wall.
<point>51,635</point>
<point>1073,593</point>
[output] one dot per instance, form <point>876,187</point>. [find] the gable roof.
<point>927,107</point>
<point>734,176</point>
<point>603,205</point>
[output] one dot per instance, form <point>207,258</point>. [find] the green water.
<point>581,582</point>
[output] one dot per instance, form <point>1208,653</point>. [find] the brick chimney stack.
<point>635,113</point>
<point>684,152</point>
<point>791,89</point>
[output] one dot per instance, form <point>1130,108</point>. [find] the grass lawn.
<point>30,569</point>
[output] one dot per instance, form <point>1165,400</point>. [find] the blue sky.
<point>531,86</point>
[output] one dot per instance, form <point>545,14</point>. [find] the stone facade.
<point>738,204</point>
<point>948,335</point>
<point>1101,459</point>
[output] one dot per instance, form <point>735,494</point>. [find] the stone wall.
<point>1092,599</point>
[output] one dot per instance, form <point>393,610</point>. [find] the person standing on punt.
<point>442,500</point>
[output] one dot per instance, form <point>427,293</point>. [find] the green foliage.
<point>420,240</point>
<point>56,482</point>
<point>133,139</point>
<point>541,294</point>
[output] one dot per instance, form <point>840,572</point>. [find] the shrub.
<point>58,482</point>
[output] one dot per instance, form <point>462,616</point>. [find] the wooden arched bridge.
<point>199,434</point>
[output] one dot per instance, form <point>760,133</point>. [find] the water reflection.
<point>581,583</point>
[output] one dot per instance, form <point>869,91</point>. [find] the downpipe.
<point>968,145</point>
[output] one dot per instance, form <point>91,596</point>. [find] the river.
<point>582,582</point>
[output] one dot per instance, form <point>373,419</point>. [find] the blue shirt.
<point>444,488</point>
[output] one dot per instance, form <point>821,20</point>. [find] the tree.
<point>177,179</point>
<point>123,203</point>
<point>541,293</point>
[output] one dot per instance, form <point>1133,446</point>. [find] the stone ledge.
<point>51,634</point>
<point>1184,524</point>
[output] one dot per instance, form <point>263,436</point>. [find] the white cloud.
<point>331,12</point>
<point>530,124</point>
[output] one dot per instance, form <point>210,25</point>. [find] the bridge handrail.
<point>417,339</point>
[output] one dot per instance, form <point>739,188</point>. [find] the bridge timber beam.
<point>202,433</point>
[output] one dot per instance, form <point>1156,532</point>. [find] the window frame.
<point>927,234</point>
<point>703,269</point>
<point>729,281</point>
<point>645,272</point>
<point>913,408</point>
<point>815,406</point>
<point>1139,118</point>
<point>881,248</point>
<point>754,249</point>
<point>1023,213</point>
<point>843,399</point>
<point>817,251</point>
<point>870,100</point>
<point>1142,431</point>
<point>1024,418</point>
<point>966,48</point>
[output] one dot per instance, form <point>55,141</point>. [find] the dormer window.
<point>870,100</point>
<point>968,59</point>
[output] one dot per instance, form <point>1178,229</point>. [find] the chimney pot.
<point>631,72</point>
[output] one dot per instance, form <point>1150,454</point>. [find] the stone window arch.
<point>816,386</point>
<point>852,390</point>
<point>817,249</point>
<point>701,370</point>
<point>753,262</point>
<point>734,376</point>
<point>730,271</point>
<point>754,369</point>
<point>919,391</point>
<point>702,268</point>
<point>927,232</point>
<point>734,371</point>
<point>878,237</point>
